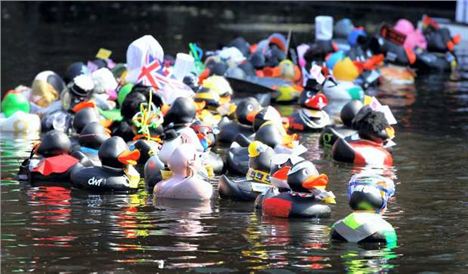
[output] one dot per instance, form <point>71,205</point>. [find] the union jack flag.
<point>155,75</point>
<point>151,73</point>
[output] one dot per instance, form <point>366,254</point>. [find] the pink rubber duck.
<point>185,183</point>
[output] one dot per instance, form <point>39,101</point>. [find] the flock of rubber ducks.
<point>107,126</point>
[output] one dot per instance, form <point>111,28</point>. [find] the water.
<point>58,229</point>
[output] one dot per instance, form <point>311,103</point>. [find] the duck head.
<point>184,161</point>
<point>77,91</point>
<point>349,111</point>
<point>115,153</point>
<point>281,164</point>
<point>93,135</point>
<point>53,143</point>
<point>220,86</point>
<point>266,114</point>
<point>304,177</point>
<point>260,156</point>
<point>181,113</point>
<point>246,110</point>
<point>206,98</point>
<point>370,192</point>
<point>84,117</point>
<point>372,125</point>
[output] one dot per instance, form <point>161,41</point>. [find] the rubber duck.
<point>367,147</point>
<point>257,177</point>
<point>306,197</point>
<point>397,56</point>
<point>116,173</point>
<point>331,133</point>
<point>221,86</point>
<point>279,169</point>
<point>368,196</point>
<point>53,162</point>
<point>246,110</point>
<point>15,116</point>
<point>341,90</point>
<point>185,183</point>
<point>46,88</point>
<point>310,116</point>
<point>438,39</point>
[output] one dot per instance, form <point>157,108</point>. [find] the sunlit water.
<point>59,229</point>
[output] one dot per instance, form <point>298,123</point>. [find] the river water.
<point>58,229</point>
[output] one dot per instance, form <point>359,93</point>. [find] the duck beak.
<point>129,157</point>
<point>165,108</point>
<point>224,99</point>
<point>282,173</point>
<point>390,132</point>
<point>251,116</point>
<point>288,140</point>
<point>82,105</point>
<point>106,123</point>
<point>319,182</point>
<point>456,39</point>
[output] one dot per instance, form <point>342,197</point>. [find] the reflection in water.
<point>368,259</point>
<point>282,242</point>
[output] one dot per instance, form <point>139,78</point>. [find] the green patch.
<point>351,221</point>
<point>113,114</point>
<point>355,93</point>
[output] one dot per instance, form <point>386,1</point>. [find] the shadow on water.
<point>58,229</point>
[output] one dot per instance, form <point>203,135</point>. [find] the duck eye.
<point>250,107</point>
<point>309,94</point>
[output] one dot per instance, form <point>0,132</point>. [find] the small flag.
<point>149,74</point>
<point>103,53</point>
<point>316,73</point>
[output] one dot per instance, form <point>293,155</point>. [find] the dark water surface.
<point>58,229</point>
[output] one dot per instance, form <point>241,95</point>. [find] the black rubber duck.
<point>310,117</point>
<point>366,147</point>
<point>53,161</point>
<point>245,114</point>
<point>303,199</point>
<point>257,178</point>
<point>117,172</point>
<point>330,134</point>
